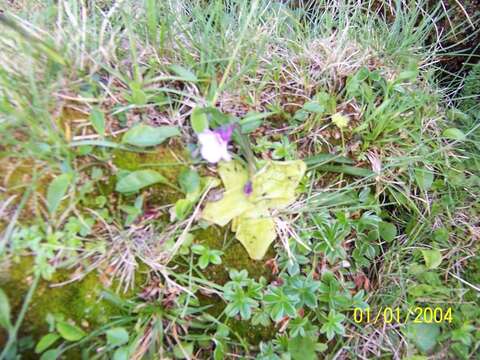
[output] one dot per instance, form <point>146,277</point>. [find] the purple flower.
<point>225,132</point>
<point>213,144</point>
<point>248,188</point>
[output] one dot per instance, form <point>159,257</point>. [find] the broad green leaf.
<point>233,174</point>
<point>122,353</point>
<point>433,258</point>
<point>138,96</point>
<point>117,336</point>
<point>184,73</point>
<point>70,332</point>
<point>45,342</point>
<point>388,231</point>
<point>423,178</point>
<point>274,185</point>
<point>253,121</point>
<point>189,181</point>
<point>52,354</point>
<point>138,180</point>
<point>423,335</point>
<point>302,348</point>
<point>144,135</point>
<point>97,118</point>
<point>199,120</point>
<point>256,235</point>
<point>5,321</point>
<point>273,188</point>
<point>182,208</point>
<point>234,203</point>
<point>454,134</point>
<point>313,107</point>
<point>57,190</point>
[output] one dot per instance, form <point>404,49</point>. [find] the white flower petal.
<point>212,147</point>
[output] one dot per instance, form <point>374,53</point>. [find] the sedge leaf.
<point>199,120</point>
<point>117,336</point>
<point>97,118</point>
<point>57,190</point>
<point>70,332</point>
<point>4,311</point>
<point>145,135</point>
<point>45,342</point>
<point>138,180</point>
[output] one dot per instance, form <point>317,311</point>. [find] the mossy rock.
<point>79,301</point>
<point>165,160</point>
<point>235,257</point>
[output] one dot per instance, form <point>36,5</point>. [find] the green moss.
<point>253,334</point>
<point>79,301</point>
<point>165,160</point>
<point>235,256</point>
<point>17,177</point>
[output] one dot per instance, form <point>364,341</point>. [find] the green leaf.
<point>138,180</point>
<point>454,134</point>
<point>433,258</point>
<point>57,190</point>
<point>117,336</point>
<point>138,96</point>
<point>219,352</point>
<point>97,118</point>
<point>314,107</point>
<point>189,181</point>
<point>199,120</point>
<point>183,350</point>
<point>423,335</point>
<point>203,261</point>
<point>45,342</point>
<point>324,158</point>
<point>144,135</point>
<point>253,121</point>
<point>184,73</point>
<point>407,75</point>
<point>388,231</point>
<point>345,169</point>
<point>302,348</point>
<point>333,325</point>
<point>122,353</point>
<point>4,311</point>
<point>423,178</point>
<point>441,234</point>
<point>182,208</point>
<point>70,332</point>
<point>52,354</point>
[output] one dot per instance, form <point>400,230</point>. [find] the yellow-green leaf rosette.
<point>273,187</point>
